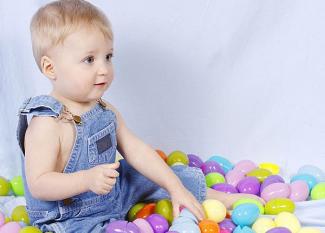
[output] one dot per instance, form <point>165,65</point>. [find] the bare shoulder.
<point>42,135</point>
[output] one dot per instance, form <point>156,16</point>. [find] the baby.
<point>72,180</point>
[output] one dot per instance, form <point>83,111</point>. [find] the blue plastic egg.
<point>245,214</point>
<point>225,164</point>
<point>185,227</point>
<point>244,229</point>
<point>314,171</point>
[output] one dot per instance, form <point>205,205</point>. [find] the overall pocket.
<point>102,146</point>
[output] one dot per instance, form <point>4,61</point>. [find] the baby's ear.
<point>47,67</point>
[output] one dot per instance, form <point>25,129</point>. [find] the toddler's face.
<point>82,65</point>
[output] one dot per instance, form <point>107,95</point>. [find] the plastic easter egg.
<point>10,227</point>
<point>17,185</point>
<point>143,225</point>
<point>223,162</point>
<point>209,226</point>
<point>316,172</point>
<point>20,214</point>
<point>299,191</point>
<point>309,230</point>
<point>185,213</point>
<point>249,185</point>
<point>288,220</point>
<point>249,201</point>
<point>234,176</point>
<point>30,229</point>
<point>158,223</point>
<point>211,166</point>
<point>279,230</point>
<point>318,192</point>
<point>228,225</point>
<point>272,167</point>
<point>244,229</point>
<point>186,227</point>
<point>2,219</point>
<point>260,173</point>
<point>177,157</point>
<point>309,179</point>
<point>147,210</point>
<point>214,178</point>
<point>224,187</point>
<point>122,226</point>
<point>4,186</point>
<point>224,231</point>
<point>164,207</point>
<point>245,214</point>
<point>271,180</point>
<point>279,205</point>
<point>214,210</point>
<point>263,224</point>
<point>194,161</point>
<point>245,166</point>
<point>276,190</point>
<point>162,155</point>
<point>134,210</point>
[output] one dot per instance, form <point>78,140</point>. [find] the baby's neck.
<point>76,108</point>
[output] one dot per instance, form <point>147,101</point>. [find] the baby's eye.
<point>89,59</point>
<point>109,57</point>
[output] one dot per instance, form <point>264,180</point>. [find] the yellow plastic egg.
<point>278,205</point>
<point>260,173</point>
<point>214,210</point>
<point>272,167</point>
<point>309,230</point>
<point>288,220</point>
<point>263,224</point>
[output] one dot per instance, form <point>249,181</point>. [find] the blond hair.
<point>52,23</point>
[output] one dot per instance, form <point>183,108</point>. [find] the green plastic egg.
<point>20,214</point>
<point>17,185</point>
<point>134,210</point>
<point>318,192</point>
<point>4,186</point>
<point>164,207</point>
<point>249,201</point>
<point>214,178</point>
<point>30,229</point>
<point>177,157</point>
<point>278,205</point>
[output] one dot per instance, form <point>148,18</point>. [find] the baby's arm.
<point>145,160</point>
<point>45,182</point>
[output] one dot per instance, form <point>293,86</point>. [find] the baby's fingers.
<point>111,173</point>
<point>176,210</point>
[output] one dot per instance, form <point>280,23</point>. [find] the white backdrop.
<point>243,79</point>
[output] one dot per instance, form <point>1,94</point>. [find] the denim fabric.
<point>95,144</point>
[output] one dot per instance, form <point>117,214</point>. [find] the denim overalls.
<point>95,144</point>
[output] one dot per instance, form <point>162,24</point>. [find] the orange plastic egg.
<point>146,210</point>
<point>209,226</point>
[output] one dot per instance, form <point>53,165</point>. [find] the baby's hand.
<point>102,178</point>
<point>184,198</point>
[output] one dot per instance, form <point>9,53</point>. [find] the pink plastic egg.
<point>245,166</point>
<point>234,176</point>
<point>299,191</point>
<point>143,225</point>
<point>10,227</point>
<point>276,190</point>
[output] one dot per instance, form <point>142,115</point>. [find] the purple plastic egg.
<point>249,185</point>
<point>122,226</point>
<point>245,166</point>
<point>234,176</point>
<point>143,225</point>
<point>224,187</point>
<point>158,223</point>
<point>211,166</point>
<point>299,191</point>
<point>276,190</point>
<point>279,230</point>
<point>194,161</point>
<point>271,180</point>
<point>228,225</point>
